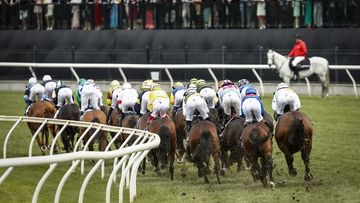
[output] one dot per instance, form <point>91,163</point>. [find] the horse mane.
<point>164,134</point>
<point>203,150</point>
<point>297,138</point>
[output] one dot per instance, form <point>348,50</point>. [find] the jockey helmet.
<point>193,80</point>
<point>146,85</point>
<point>114,84</point>
<point>126,85</point>
<point>32,81</point>
<point>200,82</point>
<point>282,85</point>
<point>60,83</point>
<point>90,81</point>
<point>243,82</point>
<point>178,84</point>
<point>47,78</point>
<point>82,81</point>
<point>155,86</point>
<point>226,82</point>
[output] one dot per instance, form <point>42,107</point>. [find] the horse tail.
<point>203,150</point>
<point>298,137</point>
<point>95,120</point>
<point>255,139</point>
<point>164,134</point>
<point>49,112</point>
<point>133,121</point>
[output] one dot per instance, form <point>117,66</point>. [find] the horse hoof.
<point>143,172</point>
<point>293,172</point>
<point>272,185</point>
<point>180,160</point>
<point>43,148</point>
<point>308,177</point>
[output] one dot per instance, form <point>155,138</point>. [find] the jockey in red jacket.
<point>299,51</point>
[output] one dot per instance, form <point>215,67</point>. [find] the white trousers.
<point>286,98</point>
<point>249,106</point>
<point>37,89</point>
<point>208,94</point>
<point>144,102</point>
<point>231,99</point>
<point>195,102</point>
<point>64,93</point>
<point>297,60</point>
<point>49,88</point>
<point>128,99</point>
<point>179,97</point>
<point>89,95</point>
<point>160,106</point>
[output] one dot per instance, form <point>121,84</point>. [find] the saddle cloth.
<point>302,65</point>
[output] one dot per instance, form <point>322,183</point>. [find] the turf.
<point>334,163</point>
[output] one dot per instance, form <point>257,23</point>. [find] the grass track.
<point>334,162</point>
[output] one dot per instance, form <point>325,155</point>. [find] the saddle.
<point>302,65</point>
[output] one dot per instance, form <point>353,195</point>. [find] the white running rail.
<point>166,67</point>
<point>130,156</point>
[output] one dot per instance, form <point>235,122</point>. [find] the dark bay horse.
<point>115,120</point>
<point>293,133</point>
<point>42,109</point>
<point>69,112</point>
<point>204,142</point>
<point>231,142</point>
<point>165,153</point>
<point>95,116</point>
<point>141,124</point>
<point>130,120</point>
<point>258,144</point>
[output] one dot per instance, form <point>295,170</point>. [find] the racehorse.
<point>204,142</point>
<point>130,120</point>
<point>95,116</point>
<point>165,153</point>
<point>258,144</point>
<point>69,112</point>
<point>230,141</point>
<point>293,133</point>
<point>42,109</point>
<point>115,120</point>
<point>318,66</point>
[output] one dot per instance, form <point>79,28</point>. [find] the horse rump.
<point>255,139</point>
<point>297,137</point>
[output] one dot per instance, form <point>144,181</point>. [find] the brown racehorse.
<point>204,142</point>
<point>165,153</point>
<point>141,124</point>
<point>69,112</point>
<point>115,121</point>
<point>293,133</point>
<point>230,141</point>
<point>130,120</point>
<point>42,109</point>
<point>95,116</point>
<point>258,144</point>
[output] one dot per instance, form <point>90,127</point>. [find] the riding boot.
<point>109,115</point>
<point>122,115</point>
<point>174,112</point>
<point>207,118</point>
<point>225,121</point>
<point>188,126</point>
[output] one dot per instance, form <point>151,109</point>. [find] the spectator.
<point>149,14</point>
<point>38,14</point>
<point>75,11</point>
<point>296,13</point>
<point>86,14</point>
<point>23,13</point>
<point>207,13</point>
<point>308,13</point>
<point>114,14</point>
<point>261,14</point>
<point>62,13</point>
<point>318,13</point>
<point>250,13</point>
<point>98,15</point>
<point>242,13</point>
<point>49,16</point>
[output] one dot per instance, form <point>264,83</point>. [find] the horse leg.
<point>305,155</point>
<point>224,160</point>
<point>143,166</point>
<point>254,166</point>
<point>171,165</point>
<point>269,168</point>
<point>289,159</point>
<point>217,167</point>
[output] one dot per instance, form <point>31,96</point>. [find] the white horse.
<point>318,66</point>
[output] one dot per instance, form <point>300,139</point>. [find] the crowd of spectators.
<point>177,14</point>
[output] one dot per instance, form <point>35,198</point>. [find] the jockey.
<point>144,95</point>
<point>79,89</point>
<point>251,105</point>
<point>127,99</point>
<point>245,84</point>
<point>100,96</point>
<point>62,93</point>
<point>89,96</point>
<point>192,81</point>
<point>229,97</point>
<point>32,89</point>
<point>193,101</point>
<point>298,52</point>
<point>177,94</point>
<point>207,93</point>
<point>49,85</point>
<point>282,97</point>
<point>112,95</point>
<point>159,102</point>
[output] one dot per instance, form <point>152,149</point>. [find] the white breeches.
<point>193,103</point>
<point>160,106</point>
<point>49,88</point>
<point>64,93</point>
<point>208,94</point>
<point>37,89</point>
<point>89,95</point>
<point>231,99</point>
<point>287,98</point>
<point>297,60</point>
<point>179,97</point>
<point>144,102</point>
<point>249,106</point>
<point>128,100</point>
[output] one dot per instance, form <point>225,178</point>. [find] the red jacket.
<point>299,49</point>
